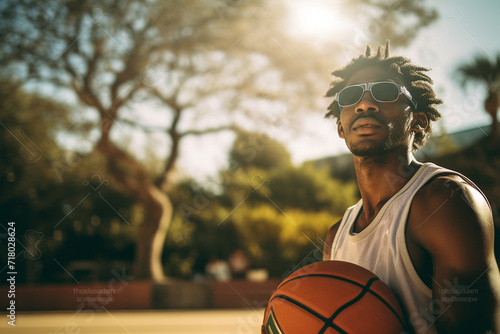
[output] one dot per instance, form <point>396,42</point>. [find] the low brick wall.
<point>133,295</point>
<point>141,295</point>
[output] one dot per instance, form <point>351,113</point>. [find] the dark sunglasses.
<point>382,91</point>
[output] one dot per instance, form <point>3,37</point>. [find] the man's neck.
<point>381,177</point>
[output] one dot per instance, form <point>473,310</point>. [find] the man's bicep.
<point>453,222</point>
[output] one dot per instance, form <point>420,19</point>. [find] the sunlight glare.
<point>316,18</point>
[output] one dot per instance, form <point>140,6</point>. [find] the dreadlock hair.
<point>413,76</point>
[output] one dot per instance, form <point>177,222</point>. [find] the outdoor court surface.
<point>147,322</point>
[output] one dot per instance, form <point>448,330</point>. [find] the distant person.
<point>426,231</point>
<point>218,270</point>
<point>239,264</point>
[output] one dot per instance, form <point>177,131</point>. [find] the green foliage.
<point>278,239</point>
<point>258,150</point>
<point>61,201</point>
<point>95,220</point>
<point>29,185</point>
<point>480,69</point>
<point>197,231</point>
<point>278,215</point>
<point>485,71</point>
<point>311,189</point>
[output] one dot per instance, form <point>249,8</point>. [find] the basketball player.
<point>426,231</point>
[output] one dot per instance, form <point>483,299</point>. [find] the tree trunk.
<point>491,106</point>
<point>157,209</point>
<point>152,232</point>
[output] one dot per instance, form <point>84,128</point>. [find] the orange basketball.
<point>333,297</point>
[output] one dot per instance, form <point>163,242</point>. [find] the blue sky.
<point>465,29</point>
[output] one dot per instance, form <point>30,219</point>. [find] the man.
<point>426,231</point>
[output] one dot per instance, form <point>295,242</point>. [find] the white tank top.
<point>381,248</point>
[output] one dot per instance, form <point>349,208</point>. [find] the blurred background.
<point>176,152</point>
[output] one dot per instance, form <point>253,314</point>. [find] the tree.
<point>486,72</point>
<point>258,150</point>
<point>27,183</point>
<point>115,54</point>
<point>205,66</point>
<point>39,193</point>
<point>396,20</point>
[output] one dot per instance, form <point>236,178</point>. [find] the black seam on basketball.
<point>389,306</point>
<point>305,307</point>
<point>337,328</point>
<point>366,288</point>
<point>310,310</point>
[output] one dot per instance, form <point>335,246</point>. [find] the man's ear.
<point>340,130</point>
<point>419,122</point>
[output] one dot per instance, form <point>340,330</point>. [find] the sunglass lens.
<point>350,95</point>
<point>385,91</point>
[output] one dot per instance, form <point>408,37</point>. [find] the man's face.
<point>372,128</point>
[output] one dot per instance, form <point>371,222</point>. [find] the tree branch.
<point>118,102</point>
<point>209,130</point>
<point>174,151</point>
<point>128,171</point>
<point>146,128</point>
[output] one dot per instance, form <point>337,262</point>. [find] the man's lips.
<point>367,130</point>
<point>366,123</point>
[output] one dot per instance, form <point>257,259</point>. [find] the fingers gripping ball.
<point>333,297</point>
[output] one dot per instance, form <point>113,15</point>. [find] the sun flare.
<point>315,18</point>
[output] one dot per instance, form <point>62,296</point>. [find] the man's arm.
<point>327,249</point>
<point>452,222</point>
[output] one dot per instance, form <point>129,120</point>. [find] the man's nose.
<point>367,103</point>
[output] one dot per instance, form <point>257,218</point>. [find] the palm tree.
<point>485,71</point>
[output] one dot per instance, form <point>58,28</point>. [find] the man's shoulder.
<point>447,188</point>
<point>448,205</point>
